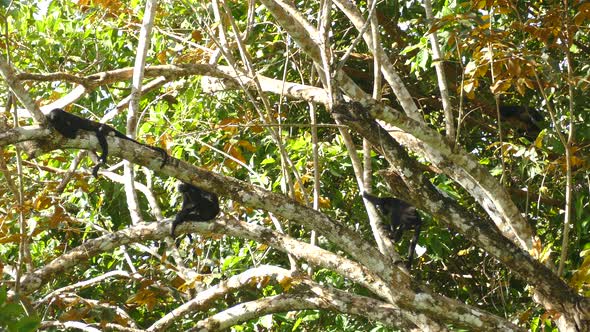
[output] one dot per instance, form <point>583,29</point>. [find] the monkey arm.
<point>180,217</point>
<point>414,242</point>
<point>197,205</point>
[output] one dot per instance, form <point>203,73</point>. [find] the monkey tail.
<point>175,223</point>
<point>96,168</point>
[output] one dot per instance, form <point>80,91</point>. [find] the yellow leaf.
<point>470,68</point>
<point>501,86</point>
<point>529,83</point>
<point>286,283</point>
<point>576,162</point>
<point>197,35</point>
<point>256,129</point>
<point>468,87</point>
<point>229,125</point>
<point>325,203</point>
<point>203,149</point>
<point>539,139</point>
<point>162,57</point>
<point>247,145</point>
<point>237,153</point>
<point>480,4</point>
<point>463,252</point>
<point>42,203</point>
<point>144,297</point>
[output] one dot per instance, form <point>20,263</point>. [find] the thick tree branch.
<point>374,263</point>
<point>322,297</point>
<point>19,91</point>
<point>427,198</point>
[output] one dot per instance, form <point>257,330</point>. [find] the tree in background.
<point>473,112</point>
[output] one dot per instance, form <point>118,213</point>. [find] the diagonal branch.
<point>376,272</point>
<point>317,297</point>
<point>479,231</point>
<point>19,91</point>
<point>456,163</point>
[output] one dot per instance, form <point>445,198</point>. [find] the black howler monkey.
<point>525,120</point>
<point>69,124</point>
<point>399,216</point>
<point>197,205</point>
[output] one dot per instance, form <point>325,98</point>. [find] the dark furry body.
<point>398,216</point>
<point>197,205</point>
<point>69,124</point>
